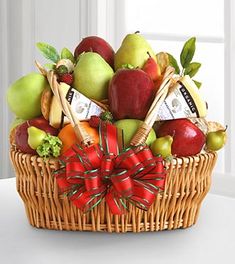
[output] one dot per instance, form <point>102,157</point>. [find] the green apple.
<point>130,127</point>
<point>135,50</point>
<point>24,95</point>
<point>92,75</point>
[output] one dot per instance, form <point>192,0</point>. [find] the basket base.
<point>119,225</point>
<point>103,229</point>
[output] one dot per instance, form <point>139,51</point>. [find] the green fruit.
<point>18,121</point>
<point>134,51</point>
<point>24,95</point>
<point>215,140</point>
<point>130,127</point>
<point>162,146</point>
<point>35,137</point>
<point>92,75</point>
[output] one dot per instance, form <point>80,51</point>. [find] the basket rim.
<point>174,160</point>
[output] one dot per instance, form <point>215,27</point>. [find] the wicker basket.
<point>188,181</point>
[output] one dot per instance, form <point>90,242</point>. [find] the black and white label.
<point>178,104</point>
<point>82,106</point>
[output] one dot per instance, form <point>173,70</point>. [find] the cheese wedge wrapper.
<point>183,101</point>
<point>82,106</point>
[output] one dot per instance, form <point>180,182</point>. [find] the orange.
<point>68,136</point>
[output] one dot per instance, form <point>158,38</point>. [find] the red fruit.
<point>98,45</point>
<point>131,92</point>
<point>21,135</point>
<point>188,139</point>
<point>94,121</point>
<point>21,139</point>
<point>158,83</point>
<point>66,78</point>
<point>152,69</point>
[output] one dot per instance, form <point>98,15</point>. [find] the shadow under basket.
<point>187,183</point>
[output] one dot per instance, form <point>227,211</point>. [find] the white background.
<point>166,24</point>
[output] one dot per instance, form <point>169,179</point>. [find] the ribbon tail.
<point>61,180</point>
<point>143,196</point>
<point>116,203</point>
<point>87,200</point>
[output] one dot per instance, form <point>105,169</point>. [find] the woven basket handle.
<point>83,137</point>
<point>142,133</point>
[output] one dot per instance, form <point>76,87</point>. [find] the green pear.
<point>162,146</point>
<point>92,75</point>
<point>35,136</point>
<point>134,51</point>
<point>215,140</point>
<point>24,95</point>
<point>130,127</point>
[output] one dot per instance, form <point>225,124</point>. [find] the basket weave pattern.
<point>188,181</point>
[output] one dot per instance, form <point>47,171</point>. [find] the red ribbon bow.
<point>103,171</point>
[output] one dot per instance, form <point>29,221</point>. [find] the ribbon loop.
<point>75,172</point>
<point>107,166</point>
<point>127,159</point>
<point>122,183</point>
<point>92,180</point>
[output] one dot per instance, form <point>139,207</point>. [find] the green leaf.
<point>173,63</point>
<point>199,84</point>
<point>67,54</point>
<point>192,69</point>
<point>50,66</point>
<point>187,52</point>
<point>48,51</point>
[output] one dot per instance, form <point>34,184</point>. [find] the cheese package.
<point>183,101</point>
<point>82,106</point>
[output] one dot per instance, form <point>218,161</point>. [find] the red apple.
<point>21,134</point>
<point>152,68</point>
<point>188,139</point>
<point>98,45</point>
<point>131,92</point>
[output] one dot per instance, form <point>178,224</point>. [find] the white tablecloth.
<point>211,240</point>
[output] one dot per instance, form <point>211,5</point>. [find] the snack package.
<point>184,101</point>
<point>82,106</point>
